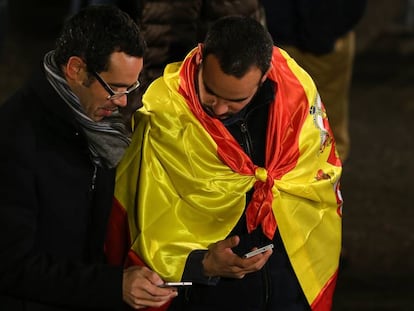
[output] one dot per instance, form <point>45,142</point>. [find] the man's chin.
<point>213,115</point>
<point>221,117</point>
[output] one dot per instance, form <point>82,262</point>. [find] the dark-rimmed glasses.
<point>114,94</point>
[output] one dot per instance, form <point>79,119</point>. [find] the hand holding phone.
<point>258,251</point>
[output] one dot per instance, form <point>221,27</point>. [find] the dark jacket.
<point>311,25</point>
<point>275,286</point>
<point>53,212</point>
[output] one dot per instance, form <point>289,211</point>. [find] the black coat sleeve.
<point>39,264</point>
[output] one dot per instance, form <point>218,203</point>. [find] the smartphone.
<point>258,251</point>
<point>176,284</point>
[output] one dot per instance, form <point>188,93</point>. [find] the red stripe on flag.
<point>118,238</point>
<point>324,300</point>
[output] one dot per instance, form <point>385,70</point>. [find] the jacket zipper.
<point>246,138</point>
<point>266,278</point>
<point>93,180</point>
<point>248,149</point>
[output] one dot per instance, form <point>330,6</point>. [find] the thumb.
<point>232,241</point>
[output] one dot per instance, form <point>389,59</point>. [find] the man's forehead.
<point>216,82</point>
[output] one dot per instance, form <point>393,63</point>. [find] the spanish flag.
<point>183,181</point>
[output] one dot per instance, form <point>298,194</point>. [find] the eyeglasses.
<point>114,94</point>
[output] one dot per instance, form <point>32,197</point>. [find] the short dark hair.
<point>239,43</point>
<point>94,33</point>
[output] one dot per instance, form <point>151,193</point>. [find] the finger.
<point>162,291</point>
<point>253,264</point>
<point>153,277</point>
<point>257,264</point>
<point>153,292</point>
<point>230,242</point>
<point>233,241</point>
<point>149,293</point>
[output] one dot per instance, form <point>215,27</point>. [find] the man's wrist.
<point>195,270</point>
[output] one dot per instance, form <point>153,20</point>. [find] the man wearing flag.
<point>232,151</point>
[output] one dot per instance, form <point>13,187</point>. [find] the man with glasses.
<point>232,152</point>
<point>61,137</point>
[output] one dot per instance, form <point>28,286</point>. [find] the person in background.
<point>128,6</point>
<point>319,36</point>
<point>232,151</point>
<point>61,138</point>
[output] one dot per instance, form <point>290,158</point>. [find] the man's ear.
<point>199,55</point>
<point>74,68</point>
<point>264,77</point>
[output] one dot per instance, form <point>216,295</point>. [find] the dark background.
<point>377,182</point>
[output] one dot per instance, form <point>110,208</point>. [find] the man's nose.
<point>121,101</point>
<point>220,107</point>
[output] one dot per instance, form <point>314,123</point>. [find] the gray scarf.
<point>107,139</point>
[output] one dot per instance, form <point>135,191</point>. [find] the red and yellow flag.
<point>182,184</point>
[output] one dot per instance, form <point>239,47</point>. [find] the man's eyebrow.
<point>208,90</point>
<point>120,85</point>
